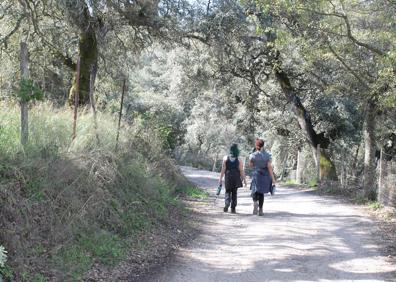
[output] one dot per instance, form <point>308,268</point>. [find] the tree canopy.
<point>206,74</point>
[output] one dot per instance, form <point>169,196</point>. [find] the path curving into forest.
<point>301,237</point>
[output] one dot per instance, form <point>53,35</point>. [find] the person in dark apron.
<point>232,169</point>
<point>262,177</point>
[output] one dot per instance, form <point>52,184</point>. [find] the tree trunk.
<point>380,177</point>
<point>92,101</point>
<point>24,64</point>
<point>284,166</point>
<point>327,168</point>
<point>214,161</point>
<point>76,100</point>
<point>299,166</point>
<point>120,113</point>
<point>369,182</point>
<point>88,51</point>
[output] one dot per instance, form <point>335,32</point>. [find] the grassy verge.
<point>293,183</point>
<point>81,203</point>
<point>192,192</point>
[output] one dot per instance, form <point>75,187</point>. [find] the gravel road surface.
<point>301,237</point>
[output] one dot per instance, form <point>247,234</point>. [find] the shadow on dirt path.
<point>301,237</point>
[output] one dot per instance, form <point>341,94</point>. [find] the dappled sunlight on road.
<point>301,237</point>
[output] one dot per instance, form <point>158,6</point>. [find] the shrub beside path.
<point>301,237</point>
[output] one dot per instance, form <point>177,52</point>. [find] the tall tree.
<point>361,41</point>
<point>90,25</point>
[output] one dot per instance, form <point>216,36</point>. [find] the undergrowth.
<point>67,204</point>
<point>193,192</point>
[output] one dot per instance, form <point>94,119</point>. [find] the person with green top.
<point>232,169</point>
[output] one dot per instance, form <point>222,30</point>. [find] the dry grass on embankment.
<point>71,207</point>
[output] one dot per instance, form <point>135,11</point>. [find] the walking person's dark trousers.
<point>231,198</point>
<point>260,198</point>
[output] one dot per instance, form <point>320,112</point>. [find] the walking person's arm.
<point>251,163</point>
<point>242,171</point>
<point>223,167</point>
<point>271,172</point>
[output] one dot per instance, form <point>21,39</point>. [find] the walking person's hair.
<point>234,151</point>
<point>259,143</point>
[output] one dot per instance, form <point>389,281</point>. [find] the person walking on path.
<point>232,169</point>
<point>263,176</point>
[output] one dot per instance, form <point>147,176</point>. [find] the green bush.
<point>313,183</point>
<point>193,192</point>
<point>375,205</point>
<point>107,247</point>
<point>73,260</point>
<point>291,182</point>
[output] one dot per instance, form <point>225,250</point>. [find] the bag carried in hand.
<point>272,190</point>
<point>218,190</point>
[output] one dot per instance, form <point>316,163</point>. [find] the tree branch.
<point>349,30</point>
<point>356,75</point>
<point>67,61</point>
<point>15,29</point>
<point>357,42</point>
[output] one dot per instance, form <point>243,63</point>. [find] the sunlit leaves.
<point>29,91</point>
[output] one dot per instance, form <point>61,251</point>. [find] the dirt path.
<point>301,237</point>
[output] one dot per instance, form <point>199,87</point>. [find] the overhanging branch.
<point>14,30</point>
<point>349,34</point>
<point>356,75</point>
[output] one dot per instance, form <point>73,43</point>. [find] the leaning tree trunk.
<point>327,168</point>
<point>24,64</point>
<point>88,50</point>
<point>369,179</point>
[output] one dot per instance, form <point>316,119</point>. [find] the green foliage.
<point>375,205</point>
<point>326,167</point>
<point>135,221</point>
<point>29,91</point>
<point>106,247</point>
<point>360,200</point>
<point>291,182</point>
<point>74,260</point>
<point>7,272</point>
<point>51,131</point>
<point>190,103</point>
<point>313,183</point>
<point>193,192</point>
<point>39,278</point>
<point>167,131</point>
<point>97,204</point>
<point>34,190</point>
<point>38,249</point>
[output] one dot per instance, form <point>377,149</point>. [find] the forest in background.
<point>166,82</point>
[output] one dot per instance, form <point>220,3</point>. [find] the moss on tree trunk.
<point>327,168</point>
